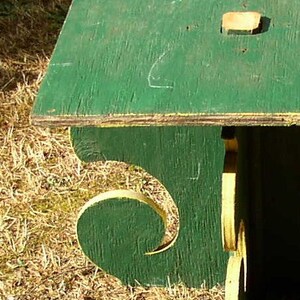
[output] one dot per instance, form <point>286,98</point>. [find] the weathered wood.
<point>136,63</point>
<point>189,162</point>
<point>236,119</point>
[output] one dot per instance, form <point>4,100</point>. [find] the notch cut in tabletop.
<point>236,22</point>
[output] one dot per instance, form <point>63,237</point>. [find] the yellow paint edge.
<point>228,212</point>
<point>233,278</point>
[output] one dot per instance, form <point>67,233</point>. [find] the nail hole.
<point>192,27</point>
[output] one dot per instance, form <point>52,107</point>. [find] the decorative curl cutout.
<point>236,277</point>
<point>168,240</point>
<point>229,216</point>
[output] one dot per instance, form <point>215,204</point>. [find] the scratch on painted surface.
<point>66,64</point>
<point>198,173</point>
<point>176,1</point>
<point>95,24</point>
<point>151,77</point>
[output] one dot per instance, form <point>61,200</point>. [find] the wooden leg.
<point>116,234</point>
<point>234,213</point>
<point>267,200</point>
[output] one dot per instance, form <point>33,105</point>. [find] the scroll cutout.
<point>168,240</point>
<point>236,277</point>
<point>242,250</point>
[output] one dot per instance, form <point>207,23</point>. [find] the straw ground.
<point>43,184</point>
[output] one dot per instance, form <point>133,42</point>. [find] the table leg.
<point>189,162</point>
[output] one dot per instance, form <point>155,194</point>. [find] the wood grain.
<point>159,63</point>
<point>111,120</point>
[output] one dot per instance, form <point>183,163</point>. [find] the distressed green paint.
<point>116,234</point>
<point>168,61</point>
<point>169,57</point>
<point>189,162</point>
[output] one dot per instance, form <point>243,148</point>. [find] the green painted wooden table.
<point>152,83</point>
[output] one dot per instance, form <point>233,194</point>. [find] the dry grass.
<point>43,184</point>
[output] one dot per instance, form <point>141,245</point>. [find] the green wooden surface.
<point>166,62</point>
<point>189,162</point>
<point>116,234</point>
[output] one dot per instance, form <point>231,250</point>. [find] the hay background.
<point>43,184</point>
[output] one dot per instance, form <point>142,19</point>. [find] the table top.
<point>166,62</point>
